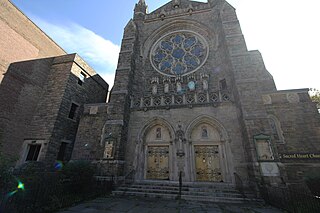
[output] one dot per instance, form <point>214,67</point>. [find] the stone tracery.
<point>179,53</point>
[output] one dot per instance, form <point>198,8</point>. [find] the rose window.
<point>179,53</point>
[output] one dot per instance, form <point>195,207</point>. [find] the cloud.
<point>101,54</point>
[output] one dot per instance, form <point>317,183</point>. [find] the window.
<point>277,132</point>
<point>158,133</point>
<point>62,151</point>
<point>81,79</point>
<point>223,84</point>
<point>33,153</point>
<point>73,111</point>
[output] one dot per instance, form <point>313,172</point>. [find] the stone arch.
<point>210,152</point>
<point>155,122</point>
<point>208,120</point>
<point>276,129</point>
<point>177,25</point>
<point>149,144</point>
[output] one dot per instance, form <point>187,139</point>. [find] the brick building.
<point>21,39</point>
<point>41,104</point>
<point>41,100</point>
<point>189,97</point>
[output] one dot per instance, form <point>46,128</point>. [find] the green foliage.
<point>315,96</point>
<point>47,191</point>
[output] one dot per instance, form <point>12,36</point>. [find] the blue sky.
<point>286,32</point>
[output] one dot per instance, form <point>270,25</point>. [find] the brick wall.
<point>21,39</point>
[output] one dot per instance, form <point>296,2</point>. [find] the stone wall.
<point>21,39</point>
<point>20,92</point>
<point>300,127</point>
<point>46,107</point>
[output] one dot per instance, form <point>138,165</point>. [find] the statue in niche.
<point>154,89</point>
<point>205,85</point>
<point>158,133</point>
<point>166,88</point>
<point>204,132</point>
<point>179,87</point>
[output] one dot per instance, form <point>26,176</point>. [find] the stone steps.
<point>208,192</point>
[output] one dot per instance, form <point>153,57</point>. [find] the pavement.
<point>158,205</point>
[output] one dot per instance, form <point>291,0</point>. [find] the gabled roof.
<point>183,4</point>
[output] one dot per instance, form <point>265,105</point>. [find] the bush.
<point>6,168</point>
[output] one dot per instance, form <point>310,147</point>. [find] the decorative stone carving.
<point>179,53</point>
<point>154,89</point>
<point>266,99</point>
<point>179,87</point>
<point>93,110</point>
<point>269,169</point>
<point>293,98</point>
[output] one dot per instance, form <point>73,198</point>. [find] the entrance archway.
<point>210,155</point>
<point>156,138</point>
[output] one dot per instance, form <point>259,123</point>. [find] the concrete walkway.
<point>156,205</point>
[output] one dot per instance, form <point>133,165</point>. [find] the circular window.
<point>179,53</point>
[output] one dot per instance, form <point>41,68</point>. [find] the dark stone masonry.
<point>188,97</point>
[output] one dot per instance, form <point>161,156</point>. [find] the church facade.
<point>190,98</point>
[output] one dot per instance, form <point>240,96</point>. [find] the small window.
<point>223,84</point>
<point>81,79</point>
<point>33,153</point>
<point>62,151</point>
<point>73,111</point>
<point>158,133</point>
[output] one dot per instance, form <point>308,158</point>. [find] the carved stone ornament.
<point>179,53</point>
<point>266,99</point>
<point>293,98</point>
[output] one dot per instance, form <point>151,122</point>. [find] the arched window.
<point>277,132</point>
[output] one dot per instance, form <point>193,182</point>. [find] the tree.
<point>315,97</point>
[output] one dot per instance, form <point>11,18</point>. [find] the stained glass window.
<point>179,53</point>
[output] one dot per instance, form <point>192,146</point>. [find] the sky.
<point>286,32</point>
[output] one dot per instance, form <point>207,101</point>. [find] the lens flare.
<point>58,165</point>
<point>12,193</point>
<point>20,185</point>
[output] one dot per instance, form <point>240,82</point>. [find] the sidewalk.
<point>154,205</point>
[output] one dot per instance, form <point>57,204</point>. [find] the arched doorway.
<point>156,138</point>
<point>210,155</point>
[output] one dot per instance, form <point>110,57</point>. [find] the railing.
<point>180,185</point>
<point>290,200</point>
<point>129,178</point>
<point>239,184</point>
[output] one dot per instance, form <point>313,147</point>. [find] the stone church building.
<point>189,98</point>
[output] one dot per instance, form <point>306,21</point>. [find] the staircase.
<point>208,192</point>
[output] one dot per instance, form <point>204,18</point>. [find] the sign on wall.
<point>299,156</point>
<point>263,147</point>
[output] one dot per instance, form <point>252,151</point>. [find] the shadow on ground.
<point>154,205</point>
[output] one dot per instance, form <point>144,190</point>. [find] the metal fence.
<point>292,201</point>
<point>45,197</point>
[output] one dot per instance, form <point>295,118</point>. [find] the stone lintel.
<point>115,122</point>
<point>303,90</point>
<point>120,92</point>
